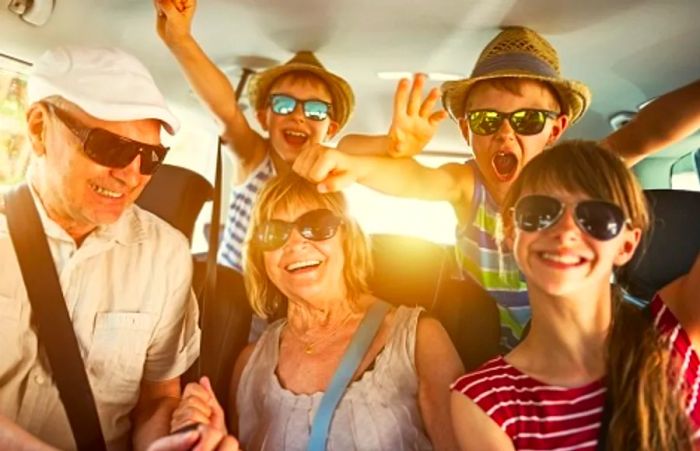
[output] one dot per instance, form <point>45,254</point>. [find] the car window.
<point>14,147</point>
<point>685,173</point>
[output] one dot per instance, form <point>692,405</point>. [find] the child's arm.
<point>475,431</point>
<point>212,86</point>
<point>666,120</point>
<point>334,170</point>
<point>682,296</point>
<point>413,124</point>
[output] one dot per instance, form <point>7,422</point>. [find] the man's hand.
<point>174,19</point>
<point>414,123</point>
<point>331,169</point>
<point>199,405</point>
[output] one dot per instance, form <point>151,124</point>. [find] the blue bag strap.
<point>357,349</point>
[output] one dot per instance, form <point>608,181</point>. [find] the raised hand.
<point>174,19</point>
<point>414,123</point>
<point>331,169</point>
<point>199,405</point>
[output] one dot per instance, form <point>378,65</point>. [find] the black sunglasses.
<point>109,149</point>
<point>314,109</point>
<point>315,225</point>
<point>600,219</point>
<point>524,122</point>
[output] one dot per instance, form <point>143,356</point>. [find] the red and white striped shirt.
<point>537,416</point>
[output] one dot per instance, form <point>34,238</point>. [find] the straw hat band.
<point>515,61</point>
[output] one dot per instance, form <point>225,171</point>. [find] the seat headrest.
<point>670,248</point>
<point>176,195</point>
<point>407,270</point>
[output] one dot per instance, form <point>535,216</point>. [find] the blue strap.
<point>357,349</point>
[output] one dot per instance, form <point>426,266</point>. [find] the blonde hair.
<point>514,85</point>
<point>648,412</point>
<point>286,192</point>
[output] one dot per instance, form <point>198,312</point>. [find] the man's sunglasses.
<point>524,122</point>
<point>314,109</point>
<point>315,225</point>
<point>109,149</point>
<point>600,219</point>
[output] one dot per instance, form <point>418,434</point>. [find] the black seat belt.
<point>209,361</point>
<point>54,327</point>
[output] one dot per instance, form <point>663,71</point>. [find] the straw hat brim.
<point>575,96</point>
<point>343,99</point>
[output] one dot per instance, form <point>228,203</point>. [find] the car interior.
<point>628,52</point>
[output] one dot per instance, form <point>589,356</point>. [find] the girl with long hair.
<point>575,215</point>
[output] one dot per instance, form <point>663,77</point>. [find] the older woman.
<point>306,269</point>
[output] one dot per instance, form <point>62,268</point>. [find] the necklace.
<point>309,345</point>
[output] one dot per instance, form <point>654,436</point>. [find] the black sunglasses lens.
<point>108,149</point>
<point>528,122</point>
<point>316,110</point>
<point>282,105</point>
<point>272,234</point>
<point>601,220</point>
<point>114,151</point>
<point>485,122</point>
<point>536,212</point>
<point>318,225</point>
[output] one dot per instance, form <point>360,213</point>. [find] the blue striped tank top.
<point>242,200</point>
<point>482,255</point>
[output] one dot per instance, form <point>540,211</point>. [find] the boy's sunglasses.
<point>600,219</point>
<point>524,122</point>
<point>109,149</point>
<point>315,225</point>
<point>316,110</point>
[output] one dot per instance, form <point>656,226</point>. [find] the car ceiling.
<point>627,51</point>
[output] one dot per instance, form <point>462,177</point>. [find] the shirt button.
<point>39,379</point>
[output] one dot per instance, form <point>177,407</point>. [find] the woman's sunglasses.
<point>314,109</point>
<point>524,122</point>
<point>600,219</point>
<point>315,225</point>
<point>109,149</point>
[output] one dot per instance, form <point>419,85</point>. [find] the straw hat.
<point>343,99</point>
<point>518,52</point>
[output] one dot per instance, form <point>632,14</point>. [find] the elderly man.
<point>94,124</point>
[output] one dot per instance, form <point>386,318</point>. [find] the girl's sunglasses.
<point>600,219</point>
<point>315,225</point>
<point>283,105</point>
<point>524,122</point>
<point>109,149</point>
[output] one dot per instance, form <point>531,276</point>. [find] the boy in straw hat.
<point>296,103</point>
<point>514,105</point>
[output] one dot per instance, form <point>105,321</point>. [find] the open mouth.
<point>302,265</point>
<point>295,138</point>
<point>504,165</point>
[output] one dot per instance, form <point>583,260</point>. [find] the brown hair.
<point>288,191</point>
<point>648,411</point>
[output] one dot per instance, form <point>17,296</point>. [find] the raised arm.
<point>211,85</point>
<point>334,170</point>
<point>663,122</point>
<point>414,123</point>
